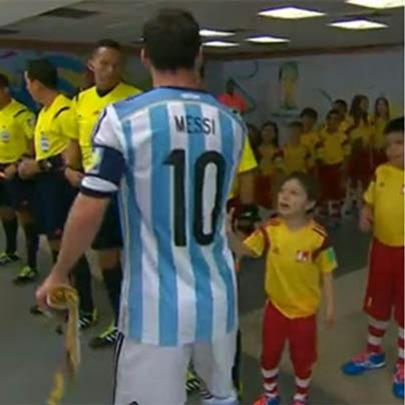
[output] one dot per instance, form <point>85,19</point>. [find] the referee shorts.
<point>20,193</point>
<point>109,235</point>
<point>52,201</point>
<point>149,375</point>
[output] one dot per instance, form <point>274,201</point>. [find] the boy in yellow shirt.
<point>383,213</point>
<point>299,260</point>
<point>294,157</point>
<point>310,135</point>
<point>332,152</point>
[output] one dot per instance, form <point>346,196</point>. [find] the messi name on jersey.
<point>195,125</point>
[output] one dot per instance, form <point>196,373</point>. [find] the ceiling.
<point>123,20</point>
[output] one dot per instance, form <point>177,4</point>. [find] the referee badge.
<point>302,256</point>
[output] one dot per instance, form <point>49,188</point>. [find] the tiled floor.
<point>29,348</point>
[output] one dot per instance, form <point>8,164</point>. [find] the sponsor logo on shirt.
<point>5,136</point>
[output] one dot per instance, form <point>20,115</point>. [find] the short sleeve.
<point>108,163</point>
<point>325,257</point>
<point>26,121</point>
<point>369,194</point>
<point>256,242</point>
<point>67,122</point>
<point>248,161</point>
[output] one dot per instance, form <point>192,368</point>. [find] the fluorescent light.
<point>220,44</point>
<point>381,4</point>
<point>267,39</point>
<point>292,13</point>
<point>215,33</point>
<point>358,25</point>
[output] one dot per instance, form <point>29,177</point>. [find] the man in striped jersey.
<point>171,154</point>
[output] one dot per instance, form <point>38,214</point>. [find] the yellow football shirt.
<point>55,125</point>
<point>310,140</point>
<point>386,196</point>
<point>268,155</point>
<point>17,125</point>
<point>88,106</point>
<point>296,158</point>
<point>295,262</point>
<point>363,132</point>
<point>332,148</point>
<point>379,128</point>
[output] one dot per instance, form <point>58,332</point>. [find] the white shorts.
<point>156,375</point>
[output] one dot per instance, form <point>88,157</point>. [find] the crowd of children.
<point>342,152</point>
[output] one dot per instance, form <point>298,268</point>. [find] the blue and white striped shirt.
<point>171,154</point>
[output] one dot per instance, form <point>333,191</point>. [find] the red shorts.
<point>263,190</point>
<point>331,180</point>
<point>360,169</point>
<point>301,335</point>
<point>385,287</point>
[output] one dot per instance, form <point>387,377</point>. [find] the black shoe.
<point>86,320</point>
<point>193,383</point>
<point>105,339</point>
<point>27,275</point>
<point>7,258</point>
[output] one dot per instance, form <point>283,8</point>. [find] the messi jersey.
<point>171,154</point>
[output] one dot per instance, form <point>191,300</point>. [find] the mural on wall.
<point>288,77</point>
<point>71,68</point>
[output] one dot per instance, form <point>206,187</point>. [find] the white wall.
<point>321,78</point>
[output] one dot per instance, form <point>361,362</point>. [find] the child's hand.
<point>330,316</point>
<point>366,219</point>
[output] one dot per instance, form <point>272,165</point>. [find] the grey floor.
<point>29,348</point>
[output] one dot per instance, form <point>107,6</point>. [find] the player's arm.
<point>367,211</point>
<point>98,186</point>
<point>325,258</point>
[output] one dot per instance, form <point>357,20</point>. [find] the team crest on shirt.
<point>302,256</point>
<point>5,136</point>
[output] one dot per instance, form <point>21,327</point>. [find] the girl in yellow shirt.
<point>379,121</point>
<point>267,152</point>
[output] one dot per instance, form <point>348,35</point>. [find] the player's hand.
<point>53,280</point>
<point>330,316</point>
<point>10,171</point>
<point>28,168</point>
<point>366,219</point>
<point>74,177</point>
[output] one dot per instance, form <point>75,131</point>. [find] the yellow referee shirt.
<point>17,125</point>
<point>55,126</point>
<point>386,196</point>
<point>295,262</point>
<point>88,106</point>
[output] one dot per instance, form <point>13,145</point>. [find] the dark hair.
<point>4,82</point>
<point>43,71</point>
<point>172,40</point>
<point>356,112</point>
<point>309,112</point>
<point>396,125</point>
<point>308,183</point>
<point>108,43</point>
<point>332,112</point>
<point>341,102</point>
<point>387,103</point>
<point>295,124</point>
<point>275,129</point>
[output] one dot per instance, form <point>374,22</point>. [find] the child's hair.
<point>331,112</point>
<point>308,183</point>
<point>4,82</point>
<point>385,101</point>
<point>341,102</point>
<point>309,112</point>
<point>275,129</point>
<point>356,112</point>
<point>295,124</point>
<point>396,125</point>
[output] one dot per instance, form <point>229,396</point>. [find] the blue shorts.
<point>52,201</point>
<point>109,236</point>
